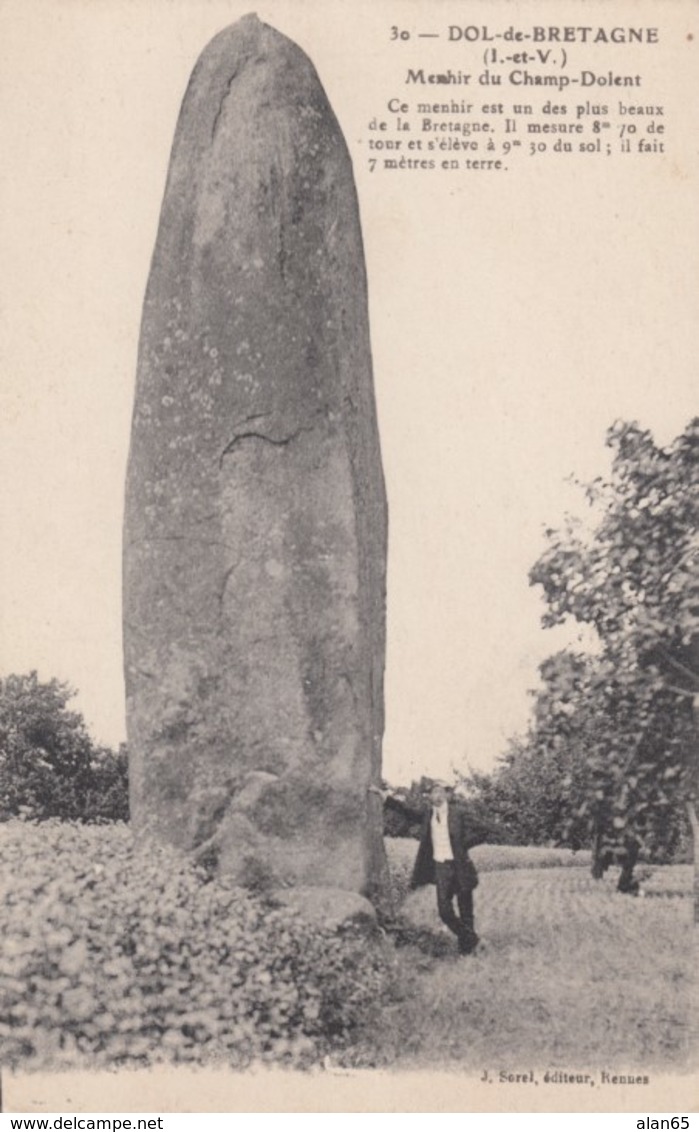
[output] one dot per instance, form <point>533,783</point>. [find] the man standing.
<point>447,833</point>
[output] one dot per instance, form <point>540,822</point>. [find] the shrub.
<point>107,795</point>
<point>49,765</point>
<point>119,954</point>
<point>401,860</point>
<point>44,749</point>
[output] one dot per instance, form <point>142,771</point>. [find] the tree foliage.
<point>625,714</point>
<point>565,781</point>
<point>49,765</point>
<point>636,577</point>
<point>536,781</point>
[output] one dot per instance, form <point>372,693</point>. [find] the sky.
<point>513,317</point>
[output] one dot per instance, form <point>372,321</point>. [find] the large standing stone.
<point>255,528</point>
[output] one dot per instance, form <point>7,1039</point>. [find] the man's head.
<point>439,794</point>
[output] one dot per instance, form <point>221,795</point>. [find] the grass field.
<point>570,974</point>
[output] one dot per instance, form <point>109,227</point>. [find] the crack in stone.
<point>282,254</point>
<point>144,672</point>
<point>277,442</point>
<point>252,417</point>
<point>226,578</point>
<point>350,683</point>
<point>224,96</point>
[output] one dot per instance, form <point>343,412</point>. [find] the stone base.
<point>331,908</point>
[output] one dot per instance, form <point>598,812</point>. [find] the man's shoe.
<point>468,945</point>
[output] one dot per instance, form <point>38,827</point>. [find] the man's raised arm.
<point>478,830</point>
<point>409,812</point>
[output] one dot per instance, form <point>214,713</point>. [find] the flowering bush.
<point>113,953</point>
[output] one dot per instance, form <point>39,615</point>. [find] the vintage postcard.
<point>349,652</point>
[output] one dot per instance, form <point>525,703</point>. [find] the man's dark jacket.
<point>465,831</point>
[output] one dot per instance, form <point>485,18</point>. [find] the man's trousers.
<point>448,887</point>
